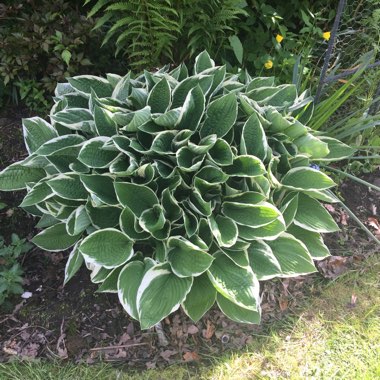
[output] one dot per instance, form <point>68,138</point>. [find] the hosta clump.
<point>177,189</point>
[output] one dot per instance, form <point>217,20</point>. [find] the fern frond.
<point>96,8</point>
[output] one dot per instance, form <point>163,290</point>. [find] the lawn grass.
<point>328,337</point>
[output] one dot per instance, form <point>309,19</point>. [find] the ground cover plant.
<point>10,270</point>
<point>178,189</point>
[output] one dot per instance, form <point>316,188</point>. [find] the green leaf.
<point>37,132</point>
<point>160,96</point>
<point>289,209</point>
<point>187,160</point>
<point>338,150</point>
<point>128,224</point>
<point>192,110</point>
<point>171,208</point>
<point>203,62</point>
<point>253,215</point>
<point>187,259</point>
<point>313,241</point>
<point>237,313</point>
<point>183,88</point>
<point>237,284</point>
<point>128,284</point>
<point>66,56</point>
<point>307,179</point>
<point>312,216</point>
<point>59,143</point>
<point>78,221</point>
<point>109,248</point>
<point>312,146</point>
<point>245,166</point>
<point>139,118</point>
<point>221,153</point>
<point>268,232</point>
<point>103,216</point>
<point>16,176</point>
<point>85,83</point>
<point>74,118</point>
<point>55,238</point>
<point>73,264</point>
<point>104,124</point>
<point>153,219</point>
<point>94,155</point>
<point>292,255</point>
<point>162,143</point>
<point>237,47</point>
<point>200,298</point>
<point>161,292</point>
<point>137,197</point>
<point>122,88</point>
<point>220,116</point>
<point>262,261</point>
<point>109,284</point>
<point>246,197</point>
<point>253,138</point>
<point>260,82</point>
<point>39,193</point>
<point>224,230</point>
<point>68,186</point>
<point>102,186</point>
<point>285,96</point>
<point>63,158</point>
<point>168,119</point>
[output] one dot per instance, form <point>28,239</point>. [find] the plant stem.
<point>354,178</point>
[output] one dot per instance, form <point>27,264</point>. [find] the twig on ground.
<point>117,347</point>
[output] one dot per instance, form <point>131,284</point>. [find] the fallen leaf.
<point>9,351</point>
<point>329,207</point>
<point>9,212</point>
<point>191,356</point>
<point>373,222</point>
<point>334,266</point>
<point>30,350</point>
<point>283,302</point>
<point>209,331</point>
<point>167,354</point>
<point>343,218</point>
<point>192,329</point>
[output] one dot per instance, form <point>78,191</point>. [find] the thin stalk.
<point>354,178</point>
<point>358,221</point>
<point>364,157</point>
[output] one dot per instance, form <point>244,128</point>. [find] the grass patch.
<point>327,338</point>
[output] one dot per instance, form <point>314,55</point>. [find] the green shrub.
<point>177,189</point>
<point>41,43</point>
<point>263,35</point>
<point>10,270</point>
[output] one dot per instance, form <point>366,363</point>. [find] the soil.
<point>76,323</point>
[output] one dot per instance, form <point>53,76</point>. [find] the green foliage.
<point>10,270</point>
<point>236,32</point>
<point>41,43</point>
<point>154,31</point>
<point>168,183</point>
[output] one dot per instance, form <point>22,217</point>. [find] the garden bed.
<point>75,323</point>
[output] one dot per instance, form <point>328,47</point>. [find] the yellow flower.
<point>268,64</point>
<point>279,38</point>
<point>326,35</point>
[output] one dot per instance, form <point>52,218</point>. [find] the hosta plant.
<point>179,190</point>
